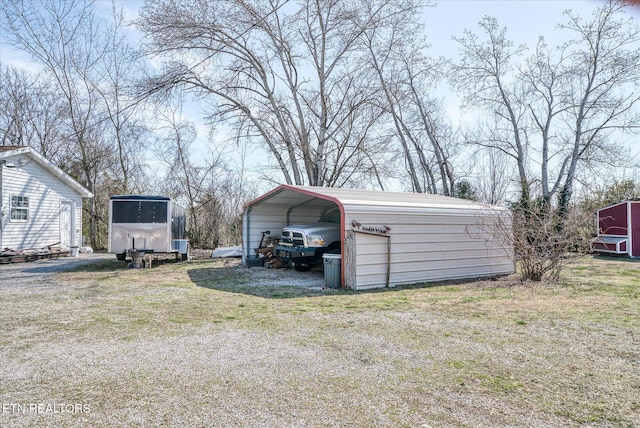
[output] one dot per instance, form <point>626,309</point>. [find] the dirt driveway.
<point>28,273</point>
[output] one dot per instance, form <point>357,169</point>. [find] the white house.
<point>40,205</point>
<point>392,238</point>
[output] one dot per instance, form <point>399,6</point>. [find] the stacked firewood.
<point>267,253</point>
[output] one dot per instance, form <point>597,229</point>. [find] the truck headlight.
<point>315,241</point>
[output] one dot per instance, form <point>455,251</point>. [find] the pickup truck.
<point>302,245</point>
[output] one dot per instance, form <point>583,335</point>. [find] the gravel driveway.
<point>211,343</point>
<point>40,271</point>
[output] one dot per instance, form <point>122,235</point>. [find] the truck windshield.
<point>331,216</point>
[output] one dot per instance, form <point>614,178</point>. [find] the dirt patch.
<point>200,254</point>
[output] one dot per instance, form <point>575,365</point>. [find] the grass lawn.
<point>211,343</point>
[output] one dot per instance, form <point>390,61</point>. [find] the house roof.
<point>287,194</point>
<point>8,152</point>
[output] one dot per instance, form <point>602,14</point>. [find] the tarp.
<point>222,252</point>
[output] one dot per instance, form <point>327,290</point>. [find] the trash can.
<point>73,252</point>
<point>332,271</point>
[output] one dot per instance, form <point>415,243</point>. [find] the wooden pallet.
<point>29,256</point>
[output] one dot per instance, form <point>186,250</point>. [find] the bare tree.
<point>430,120</point>
<point>563,106</point>
<point>61,37</point>
<point>559,109</point>
<point>212,49</point>
<point>84,64</point>
<point>396,58</point>
<point>196,183</point>
<point>494,178</point>
<point>212,190</point>
<point>16,103</point>
<point>118,68</point>
<point>282,74</point>
<point>380,41</point>
<point>604,68</point>
<point>31,113</point>
<point>546,76</point>
<point>484,78</point>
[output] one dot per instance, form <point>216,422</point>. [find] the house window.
<point>19,208</point>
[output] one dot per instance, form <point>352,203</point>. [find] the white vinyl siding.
<point>431,246</point>
<point>46,193</point>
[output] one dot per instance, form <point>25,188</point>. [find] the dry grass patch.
<point>211,343</point>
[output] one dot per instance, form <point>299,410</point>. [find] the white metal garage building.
<point>392,238</point>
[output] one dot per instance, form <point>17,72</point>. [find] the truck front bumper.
<point>298,256</point>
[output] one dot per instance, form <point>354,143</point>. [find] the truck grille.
<point>295,239</point>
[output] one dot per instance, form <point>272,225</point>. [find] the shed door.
<point>66,224</point>
<point>634,233</point>
<point>367,260</point>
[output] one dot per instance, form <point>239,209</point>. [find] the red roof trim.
<point>283,187</point>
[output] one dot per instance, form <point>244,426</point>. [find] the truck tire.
<point>301,268</point>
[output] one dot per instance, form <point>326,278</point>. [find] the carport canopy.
<point>283,206</point>
<point>423,237</point>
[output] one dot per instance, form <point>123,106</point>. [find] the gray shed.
<point>392,238</point>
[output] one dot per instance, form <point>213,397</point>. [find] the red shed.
<point>618,229</point>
